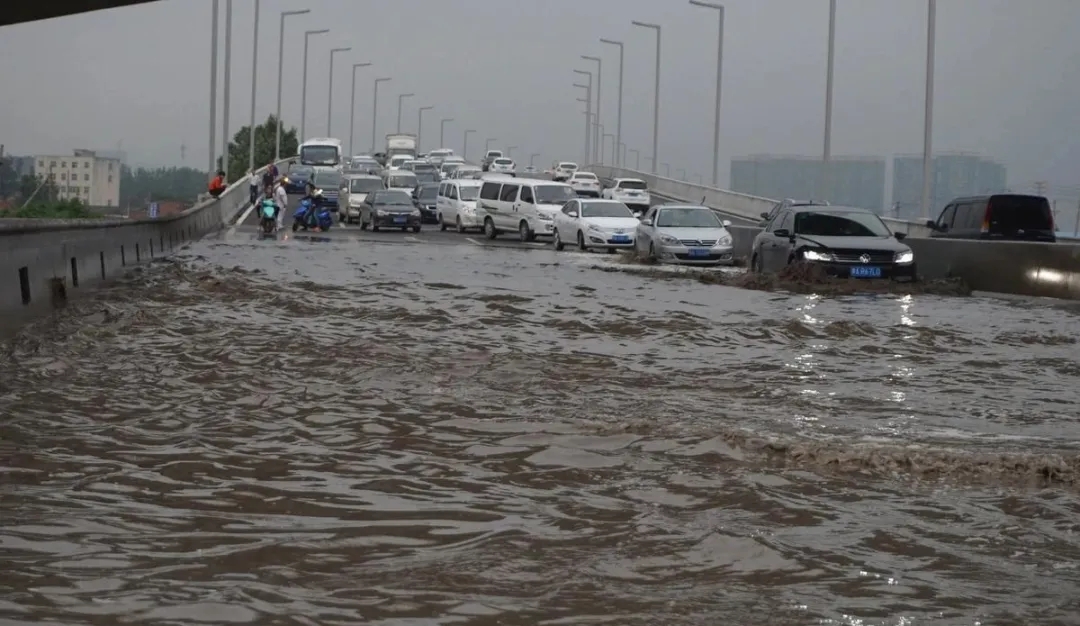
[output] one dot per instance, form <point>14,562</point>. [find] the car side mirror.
<point>781,232</point>
<point>573,214</point>
<point>765,216</point>
<point>900,236</point>
<point>931,224</point>
<point>726,223</point>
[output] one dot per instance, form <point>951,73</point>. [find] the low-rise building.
<point>84,175</point>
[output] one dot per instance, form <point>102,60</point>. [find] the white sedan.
<point>502,165</point>
<point>585,184</point>
<point>633,192</point>
<point>595,224</point>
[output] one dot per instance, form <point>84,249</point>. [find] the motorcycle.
<point>324,218</point>
<point>268,217</point>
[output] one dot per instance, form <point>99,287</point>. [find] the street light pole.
<point>598,129</point>
<point>667,170</point>
<point>228,90</point>
<point>637,158</point>
<point>465,145</point>
<point>612,153</point>
<point>420,126</point>
<point>442,131</point>
<point>826,157</point>
<point>656,95</point>
<point>330,95</point>
<point>213,85</point>
<point>375,111</point>
<point>928,119</point>
<point>597,148</point>
<point>588,113</point>
<point>618,114</point>
<point>719,8</point>
<point>510,151</point>
<point>352,105</point>
<point>400,101</point>
<point>303,96</point>
<point>280,66</point>
<point>532,158</point>
<point>487,144</point>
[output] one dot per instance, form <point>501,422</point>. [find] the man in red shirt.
<point>217,185</point>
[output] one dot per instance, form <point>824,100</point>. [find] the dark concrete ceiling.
<point>19,11</point>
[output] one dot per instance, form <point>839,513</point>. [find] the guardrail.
<point>41,260</point>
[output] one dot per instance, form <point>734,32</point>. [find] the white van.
<point>398,161</point>
<point>400,179</point>
<point>527,206</point>
<point>456,205</point>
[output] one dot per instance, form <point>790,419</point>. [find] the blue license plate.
<point>862,271</point>
<point>399,220</point>
<point>620,239</point>
<point>699,252</point>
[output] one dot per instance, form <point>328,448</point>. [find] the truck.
<point>400,143</point>
<point>321,151</point>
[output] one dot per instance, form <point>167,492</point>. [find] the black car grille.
<point>698,243</point>
<point>857,256</point>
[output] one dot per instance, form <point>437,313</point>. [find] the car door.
<point>646,231</point>
<point>440,201</point>
<point>774,249</point>
<point>506,218</point>
<point>450,213</point>
<point>526,205</point>
<point>564,222</point>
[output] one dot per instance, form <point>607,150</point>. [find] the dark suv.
<point>1006,216</point>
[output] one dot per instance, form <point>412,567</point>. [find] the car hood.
<point>357,198</point>
<point>394,208</point>
<point>549,209</point>
<point>608,223</point>
<point>693,233</point>
<point>889,244</point>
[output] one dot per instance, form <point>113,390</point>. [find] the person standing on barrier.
<point>281,197</point>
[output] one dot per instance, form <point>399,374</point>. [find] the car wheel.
<point>523,232</point>
<point>458,226</point>
<point>755,265</point>
<point>581,242</point>
<point>557,240</point>
<point>374,227</point>
<point>611,250</point>
<point>416,228</point>
<point>489,228</point>
<point>652,253</point>
<point>442,224</point>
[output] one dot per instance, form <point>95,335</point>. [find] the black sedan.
<point>424,198</point>
<point>389,208</point>
<point>298,176</point>
<point>845,242</point>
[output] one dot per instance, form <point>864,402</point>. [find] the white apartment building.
<point>92,179</point>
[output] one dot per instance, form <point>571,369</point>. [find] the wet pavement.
<point>388,428</point>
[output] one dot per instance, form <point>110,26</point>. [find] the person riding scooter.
<point>314,197</point>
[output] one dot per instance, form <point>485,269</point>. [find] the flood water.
<point>343,432</point>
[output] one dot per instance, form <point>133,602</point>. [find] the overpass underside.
<point>17,12</point>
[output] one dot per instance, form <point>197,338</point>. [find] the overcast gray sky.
<point>1008,77</point>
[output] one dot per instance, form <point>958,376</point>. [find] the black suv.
<point>1005,216</point>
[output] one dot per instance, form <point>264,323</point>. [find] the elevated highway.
<point>17,12</point>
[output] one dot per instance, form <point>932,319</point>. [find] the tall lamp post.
<point>303,96</point>
<point>487,144</point>
<point>928,120</point>
<point>420,126</point>
<point>216,8</point>
<point>352,105</point>
<point>442,131</point>
<point>400,103</point>
<point>532,158</point>
<point>588,121</point>
<point>637,158</point>
<point>826,152</point>
<point>375,111</point>
<point>330,95</point>
<point>465,144</point>
<point>719,8</point>
<point>597,133</point>
<point>510,151</point>
<point>589,148</point>
<point>618,114</point>
<point>280,66</point>
<point>656,95</point>
<point>228,88</point>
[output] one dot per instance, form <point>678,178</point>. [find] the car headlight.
<point>544,217</point>
<point>381,213</point>
<point>415,213</point>
<point>724,241</point>
<point>669,240</point>
<point>816,255</point>
<point>904,257</point>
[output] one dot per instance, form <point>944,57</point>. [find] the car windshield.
<point>468,193</point>
<point>402,181</point>
<point>553,194</point>
<point>633,184</point>
<point>494,154</point>
<point>301,173</point>
<point>365,185</point>
<point>319,154</point>
<point>568,166</point>
<point>687,218</point>
<point>422,165</point>
<point>393,197</point>
<point>449,167</point>
<point>503,161</point>
<point>328,178</point>
<point>428,192</point>
<point>605,209</point>
<point>584,176</point>
<point>835,224</point>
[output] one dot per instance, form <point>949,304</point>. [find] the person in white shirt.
<point>282,198</point>
<point>253,183</point>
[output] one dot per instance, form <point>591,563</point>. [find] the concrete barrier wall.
<point>43,261</point>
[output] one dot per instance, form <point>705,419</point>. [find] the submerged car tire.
<point>416,228</point>
<point>457,224</point>
<point>581,242</point>
<point>524,234</point>
<point>557,241</point>
<point>374,227</point>
<point>442,224</point>
<point>489,228</point>
<point>755,265</point>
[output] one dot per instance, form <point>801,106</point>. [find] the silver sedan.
<point>685,235</point>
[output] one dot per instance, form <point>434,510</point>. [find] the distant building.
<point>953,176</point>
<point>854,180</point>
<point>84,175</point>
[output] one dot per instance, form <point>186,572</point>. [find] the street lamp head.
<point>469,131</point>
<point>406,95</point>
<point>707,5</point>
<point>356,65</point>
<point>300,12</point>
<point>576,71</point>
<point>426,108</point>
<point>448,119</point>
<point>646,25</point>
<point>317,32</point>
<point>582,86</point>
<point>591,58</point>
<point>611,41</point>
<point>382,80</point>
<point>336,50</point>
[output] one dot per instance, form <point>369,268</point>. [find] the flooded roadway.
<point>401,429</point>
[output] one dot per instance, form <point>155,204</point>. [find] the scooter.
<point>324,218</point>
<point>268,217</point>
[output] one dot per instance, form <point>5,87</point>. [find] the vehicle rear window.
<point>1009,214</point>
<point>633,184</point>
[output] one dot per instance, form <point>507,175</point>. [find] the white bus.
<point>321,151</point>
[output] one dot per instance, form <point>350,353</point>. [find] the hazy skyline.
<point>1007,82</point>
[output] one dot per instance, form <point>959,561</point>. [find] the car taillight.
<point>986,219</point>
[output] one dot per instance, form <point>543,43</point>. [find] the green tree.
<point>142,185</point>
<point>64,209</point>
<point>28,185</point>
<point>265,133</point>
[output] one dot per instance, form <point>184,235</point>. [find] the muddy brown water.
<point>351,433</point>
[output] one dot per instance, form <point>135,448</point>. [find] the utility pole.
<point>1040,188</point>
